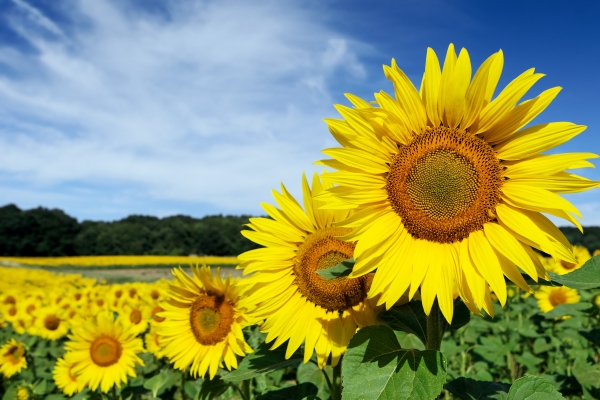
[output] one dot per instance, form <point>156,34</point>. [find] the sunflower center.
<point>105,351</point>
<point>211,318</point>
<point>557,297</point>
<point>321,250</point>
<point>15,354</point>
<point>30,308</point>
<point>77,296</point>
<point>118,294</point>
<point>445,184</point>
<point>154,294</point>
<point>567,265</point>
<point>10,300</point>
<point>135,316</point>
<point>51,322</point>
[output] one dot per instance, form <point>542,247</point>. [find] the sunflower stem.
<point>336,384</point>
<point>435,328</point>
<point>246,389</point>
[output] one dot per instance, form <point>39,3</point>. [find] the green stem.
<point>435,328</point>
<point>246,389</point>
<point>327,380</point>
<point>114,392</point>
<point>336,384</point>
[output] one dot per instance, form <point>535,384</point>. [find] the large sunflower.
<point>103,352</point>
<point>203,322</point>
<point>298,304</point>
<point>449,189</point>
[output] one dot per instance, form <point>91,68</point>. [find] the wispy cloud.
<point>210,102</point>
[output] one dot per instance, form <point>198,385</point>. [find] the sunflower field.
<point>421,265</point>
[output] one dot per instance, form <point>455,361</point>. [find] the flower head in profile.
<point>298,305</point>
<point>102,353</point>
<point>448,185</point>
<point>203,322</point>
<point>65,379</point>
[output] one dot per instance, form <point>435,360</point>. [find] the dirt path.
<point>124,274</point>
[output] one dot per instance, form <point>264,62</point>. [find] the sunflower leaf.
<point>568,309</point>
<point>533,388</point>
<point>586,277</point>
<point>376,367</point>
<point>592,335</point>
<point>409,318</point>
<point>296,392</point>
<point>262,361</point>
<point>470,389</point>
<point>342,269</point>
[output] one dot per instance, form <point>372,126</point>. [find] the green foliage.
<point>262,361</point>
<point>533,388</point>
<point>377,367</point>
<point>42,232</point>
<point>337,271</point>
<point>586,277</point>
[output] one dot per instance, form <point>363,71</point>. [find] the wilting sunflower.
<point>50,323</point>
<point>562,267</point>
<point>298,304</point>
<point>105,354</point>
<point>449,189</point>
<point>203,322</point>
<point>549,297</point>
<point>12,358</point>
<point>65,379</point>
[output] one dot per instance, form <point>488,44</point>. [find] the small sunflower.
<point>549,297</point>
<point>65,379</point>
<point>152,343</point>
<point>12,358</point>
<point>562,267</point>
<point>298,304</point>
<point>203,322</point>
<point>448,187</point>
<point>51,324</point>
<point>24,392</point>
<point>105,354</point>
<point>134,316</point>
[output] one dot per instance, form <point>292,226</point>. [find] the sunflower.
<point>562,267</point>
<point>152,343</point>
<point>203,322</point>
<point>65,379</point>
<point>12,358</point>
<point>105,354</point>
<point>448,189</point>
<point>51,324</point>
<point>134,316</point>
<point>24,392</point>
<point>549,297</point>
<point>298,304</point>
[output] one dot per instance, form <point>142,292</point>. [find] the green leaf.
<point>540,345</point>
<point>261,362</point>
<point>461,316</point>
<point>592,335</point>
<point>567,309</point>
<point>212,389</point>
<point>587,375</point>
<point>533,388</point>
<point>408,318</point>
<point>297,392</point>
<point>342,269</point>
<point>586,277</point>
<point>310,372</point>
<point>376,367</point>
<point>470,389</point>
<point>161,382</point>
<point>41,387</point>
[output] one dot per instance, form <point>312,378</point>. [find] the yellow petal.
<point>431,86</point>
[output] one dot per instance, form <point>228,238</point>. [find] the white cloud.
<point>214,103</point>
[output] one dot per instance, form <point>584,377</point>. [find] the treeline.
<point>41,232</point>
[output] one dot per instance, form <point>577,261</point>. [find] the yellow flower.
<point>596,252</point>
<point>105,354</point>
<point>152,342</point>
<point>448,189</point>
<point>24,392</point>
<point>12,358</point>
<point>549,297</point>
<point>134,317</point>
<point>298,304</point>
<point>562,267</point>
<point>65,379</point>
<point>204,318</point>
<point>51,324</point>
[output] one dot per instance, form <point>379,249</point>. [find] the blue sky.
<point>115,107</point>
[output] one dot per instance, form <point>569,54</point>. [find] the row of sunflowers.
<point>117,261</point>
